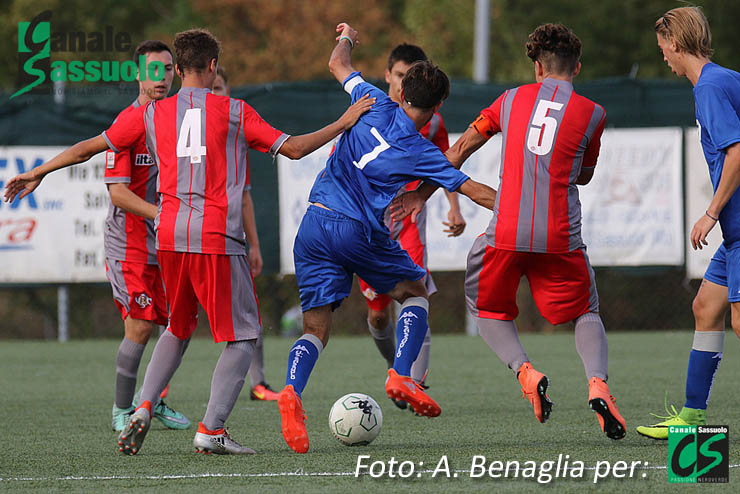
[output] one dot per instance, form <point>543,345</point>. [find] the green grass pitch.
<point>56,399</point>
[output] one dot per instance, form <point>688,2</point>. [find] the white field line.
<point>297,473</point>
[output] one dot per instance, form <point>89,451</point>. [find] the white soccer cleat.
<point>133,433</point>
<point>220,444</point>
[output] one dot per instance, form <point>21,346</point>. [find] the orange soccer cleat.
<point>605,406</point>
<point>263,392</point>
<point>406,389</point>
<point>293,420</point>
<point>534,388</point>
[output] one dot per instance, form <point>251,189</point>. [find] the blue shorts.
<point>330,247</point>
<point>724,270</point>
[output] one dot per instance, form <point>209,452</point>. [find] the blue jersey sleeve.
<point>718,115</point>
<point>357,87</point>
<point>432,166</point>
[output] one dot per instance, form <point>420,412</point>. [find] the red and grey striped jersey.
<point>550,134</point>
<point>199,141</point>
<point>129,237</point>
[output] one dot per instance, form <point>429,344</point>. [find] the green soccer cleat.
<point>120,416</point>
<point>171,419</point>
<point>688,416</point>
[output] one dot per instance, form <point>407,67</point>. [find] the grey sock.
<point>166,359</point>
<point>227,382</point>
<point>503,339</point>
<point>127,367</point>
<point>421,365</point>
<point>592,345</point>
<point>385,340</point>
<point>257,369</point>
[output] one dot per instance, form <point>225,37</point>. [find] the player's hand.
<point>345,29</point>
<point>21,185</point>
<point>700,231</point>
<point>455,223</point>
<point>354,112</point>
<point>408,203</point>
<point>255,261</point>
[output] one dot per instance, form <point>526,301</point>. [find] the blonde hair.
<point>689,28</point>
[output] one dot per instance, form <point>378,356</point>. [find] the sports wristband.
<point>351,43</point>
<point>710,216</point>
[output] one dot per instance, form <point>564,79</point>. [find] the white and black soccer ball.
<point>355,419</point>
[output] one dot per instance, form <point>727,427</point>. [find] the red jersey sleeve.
<point>442,138</point>
<point>126,130</point>
<point>259,134</point>
<point>117,167</point>
<point>594,145</point>
<point>489,121</point>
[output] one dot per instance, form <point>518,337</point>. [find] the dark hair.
<point>195,48</point>
<point>556,47</point>
<point>406,53</point>
<point>222,72</point>
<point>150,46</point>
<point>425,85</point>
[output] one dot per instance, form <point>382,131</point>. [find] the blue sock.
<point>410,332</point>
<point>301,359</point>
<point>700,376</point>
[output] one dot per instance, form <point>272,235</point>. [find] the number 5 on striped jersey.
<point>188,140</point>
<point>542,131</point>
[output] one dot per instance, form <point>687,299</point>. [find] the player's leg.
<point>225,288</point>
<point>412,237</point>
<point>169,349</point>
<point>324,238</point>
<point>564,289</point>
<point>379,322</point>
<point>491,281</point>
<point>128,358</point>
<point>259,389</point>
<point>709,308</point>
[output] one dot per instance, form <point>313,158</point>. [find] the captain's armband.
<point>483,126</point>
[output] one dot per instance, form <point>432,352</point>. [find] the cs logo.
<point>698,454</point>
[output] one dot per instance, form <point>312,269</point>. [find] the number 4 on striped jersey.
<point>188,140</point>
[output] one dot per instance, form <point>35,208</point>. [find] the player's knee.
<point>138,330</point>
<point>707,315</point>
<point>378,319</point>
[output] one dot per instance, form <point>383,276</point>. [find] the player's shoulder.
<point>587,104</point>
<point>715,76</point>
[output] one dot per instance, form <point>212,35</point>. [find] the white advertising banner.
<point>54,235</point>
<point>632,209</point>
<point>699,194</point>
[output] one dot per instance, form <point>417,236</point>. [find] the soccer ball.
<point>355,419</point>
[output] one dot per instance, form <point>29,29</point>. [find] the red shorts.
<point>563,285</point>
<point>410,236</point>
<point>224,287</point>
<point>137,290</point>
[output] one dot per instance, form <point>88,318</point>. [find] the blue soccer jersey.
<point>717,96</point>
<point>383,152</point>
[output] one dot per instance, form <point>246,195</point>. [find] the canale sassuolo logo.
<point>37,43</point>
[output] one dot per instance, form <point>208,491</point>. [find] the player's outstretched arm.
<point>123,197</point>
<point>25,183</point>
<point>340,62</point>
<point>479,193</point>
<point>729,182</point>
<point>296,147</point>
